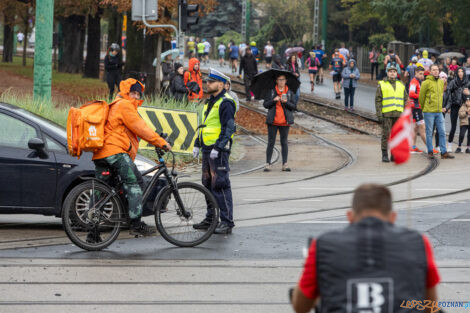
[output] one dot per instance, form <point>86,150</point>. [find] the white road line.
<point>437,189</point>
<point>326,188</point>
<point>324,222</point>
<point>433,201</point>
<point>461,220</point>
<point>254,199</point>
<point>308,200</point>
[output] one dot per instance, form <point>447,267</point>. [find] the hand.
<point>466,91</point>
<point>284,100</point>
<point>195,152</point>
<point>444,110</point>
<point>352,76</point>
<point>214,154</point>
<point>167,147</point>
<point>277,98</point>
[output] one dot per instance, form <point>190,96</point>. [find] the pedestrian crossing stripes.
<point>179,125</point>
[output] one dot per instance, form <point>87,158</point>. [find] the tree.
<point>10,11</point>
<point>211,26</point>
<point>92,63</point>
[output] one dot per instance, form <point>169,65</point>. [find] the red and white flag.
<point>401,137</point>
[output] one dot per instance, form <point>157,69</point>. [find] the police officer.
<point>389,104</point>
<point>371,265</point>
<point>215,140</point>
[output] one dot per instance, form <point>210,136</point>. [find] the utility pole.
<point>244,20</point>
<point>324,22</point>
<point>316,22</point>
<point>248,18</point>
<point>43,50</point>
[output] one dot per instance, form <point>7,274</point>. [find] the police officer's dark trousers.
<point>215,177</point>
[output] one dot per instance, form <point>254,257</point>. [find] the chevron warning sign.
<point>179,125</point>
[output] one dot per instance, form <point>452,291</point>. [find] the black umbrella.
<point>430,51</point>
<point>266,81</point>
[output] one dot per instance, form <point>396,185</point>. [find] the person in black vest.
<point>249,67</point>
<point>112,67</point>
<point>371,265</point>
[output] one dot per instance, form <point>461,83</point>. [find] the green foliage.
<point>230,35</point>
<point>380,39</point>
<point>226,17</point>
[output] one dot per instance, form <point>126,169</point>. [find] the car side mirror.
<point>38,145</point>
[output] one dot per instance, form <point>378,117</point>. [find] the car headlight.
<point>143,164</point>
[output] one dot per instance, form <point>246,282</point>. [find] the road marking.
<point>308,200</point>
<point>324,222</point>
<point>255,199</point>
<point>326,188</point>
<point>433,201</point>
<point>461,220</point>
<point>437,189</point>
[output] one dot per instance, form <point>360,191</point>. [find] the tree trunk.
<point>82,44</point>
<point>92,63</point>
<point>8,38</point>
<point>26,31</point>
<point>134,48</point>
<point>71,60</point>
<point>150,52</point>
<point>114,28</point>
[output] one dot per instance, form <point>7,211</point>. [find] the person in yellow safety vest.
<point>215,136</point>
<point>200,50</point>
<point>390,101</point>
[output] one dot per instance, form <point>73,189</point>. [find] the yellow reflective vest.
<point>211,128</point>
<point>392,99</point>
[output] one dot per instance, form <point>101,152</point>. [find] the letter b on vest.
<point>370,295</point>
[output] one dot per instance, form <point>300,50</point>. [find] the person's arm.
<point>256,66</point>
<point>227,122</point>
<point>357,74</point>
<point>179,85</point>
<point>137,125</point>
<point>422,94</point>
<point>398,59</point>
<point>290,104</point>
<point>306,293</point>
<point>269,100</point>
<point>378,102</point>
<point>345,73</point>
<point>432,274</point>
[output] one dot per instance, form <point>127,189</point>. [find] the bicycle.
<point>97,210</point>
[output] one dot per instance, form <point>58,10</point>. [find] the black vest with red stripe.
<point>370,266</point>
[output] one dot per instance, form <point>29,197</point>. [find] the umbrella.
<point>174,53</point>
<point>264,82</point>
<point>451,55</point>
<point>430,51</point>
<point>294,50</point>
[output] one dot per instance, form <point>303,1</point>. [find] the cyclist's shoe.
<point>93,237</point>
<point>205,224</point>
<point>223,229</point>
<point>141,229</point>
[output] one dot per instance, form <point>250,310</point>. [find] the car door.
<point>26,180</point>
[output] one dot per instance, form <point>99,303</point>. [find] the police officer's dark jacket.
<point>227,111</point>
<point>289,107</point>
<point>374,260</point>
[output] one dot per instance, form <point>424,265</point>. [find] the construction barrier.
<point>179,125</point>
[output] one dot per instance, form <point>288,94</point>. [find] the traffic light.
<point>188,15</point>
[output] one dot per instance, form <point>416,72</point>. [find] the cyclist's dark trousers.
<point>215,177</point>
<point>113,78</point>
<point>272,132</point>
<point>132,182</point>
<point>454,116</point>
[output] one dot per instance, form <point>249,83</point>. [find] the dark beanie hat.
<point>177,66</point>
<point>137,87</point>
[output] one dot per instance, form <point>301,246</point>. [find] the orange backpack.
<point>85,127</point>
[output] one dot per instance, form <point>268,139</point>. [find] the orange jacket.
<point>195,76</point>
<point>124,125</point>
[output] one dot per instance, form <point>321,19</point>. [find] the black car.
<point>36,172</point>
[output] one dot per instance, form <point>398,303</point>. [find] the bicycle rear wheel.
<point>88,224</point>
<point>177,229</point>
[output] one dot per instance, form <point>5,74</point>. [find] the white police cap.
<point>215,75</point>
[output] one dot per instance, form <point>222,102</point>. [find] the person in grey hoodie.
<point>350,76</point>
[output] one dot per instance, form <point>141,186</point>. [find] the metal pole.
<point>248,18</point>
<point>324,22</point>
<point>43,49</point>
<point>158,26</point>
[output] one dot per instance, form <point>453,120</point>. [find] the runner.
<point>313,63</point>
<point>344,52</point>
<point>234,56</point>
<point>221,48</point>
<point>320,54</point>
<point>417,112</point>
<point>268,54</point>
<point>337,64</point>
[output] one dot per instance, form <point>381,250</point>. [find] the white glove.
<point>214,154</point>
<point>195,152</point>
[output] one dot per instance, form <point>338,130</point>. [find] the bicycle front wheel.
<point>198,204</point>
<point>91,216</point>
